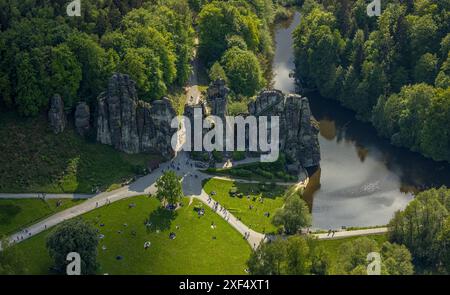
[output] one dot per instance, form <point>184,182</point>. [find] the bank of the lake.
<point>363,179</point>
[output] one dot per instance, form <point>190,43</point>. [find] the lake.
<point>363,179</point>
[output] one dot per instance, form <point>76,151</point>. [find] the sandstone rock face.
<point>131,125</point>
<point>298,128</point>
<point>217,98</point>
<point>82,118</point>
<point>56,115</point>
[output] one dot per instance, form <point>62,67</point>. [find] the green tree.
<point>298,256</point>
<point>320,261</point>
<point>174,21</point>
<point>443,78</point>
<point>243,71</point>
<point>65,74</point>
<point>352,257</point>
<point>420,226</point>
<point>413,118</point>
<point>97,65</point>
<point>435,140</point>
<point>169,188</point>
<point>444,246</point>
<point>268,259</point>
<point>74,236</point>
<point>396,259</point>
<point>218,20</point>
<point>318,45</point>
<point>144,67</point>
<point>293,216</point>
<point>426,69</point>
<point>293,256</point>
<point>30,98</point>
<point>217,72</point>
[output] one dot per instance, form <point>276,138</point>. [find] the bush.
<point>218,156</point>
<point>241,172</point>
<point>238,156</point>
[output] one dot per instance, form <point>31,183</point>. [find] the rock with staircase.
<point>131,125</point>
<point>298,128</point>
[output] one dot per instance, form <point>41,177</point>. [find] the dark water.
<point>363,179</point>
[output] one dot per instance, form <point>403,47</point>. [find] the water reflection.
<point>363,179</point>
<point>283,63</point>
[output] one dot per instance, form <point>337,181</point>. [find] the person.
<point>329,232</point>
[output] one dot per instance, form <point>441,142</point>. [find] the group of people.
<point>331,232</point>
<point>246,235</point>
<point>218,207</point>
<point>25,233</point>
<point>201,212</point>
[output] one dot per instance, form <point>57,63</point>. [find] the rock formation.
<point>131,125</point>
<point>56,115</point>
<point>82,118</point>
<point>217,98</point>
<point>298,128</point>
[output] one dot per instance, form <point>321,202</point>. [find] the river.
<point>363,179</point>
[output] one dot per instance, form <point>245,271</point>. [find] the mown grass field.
<point>33,159</point>
<point>272,197</point>
<point>193,251</point>
<point>15,214</point>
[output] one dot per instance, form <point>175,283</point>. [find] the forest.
<point>43,51</point>
<point>392,70</point>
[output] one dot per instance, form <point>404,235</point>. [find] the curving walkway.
<point>192,180</point>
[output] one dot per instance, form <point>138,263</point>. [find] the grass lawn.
<point>272,197</point>
<point>33,159</point>
<point>15,214</point>
<point>193,251</point>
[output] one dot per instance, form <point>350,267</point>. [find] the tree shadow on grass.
<point>8,212</point>
<point>267,191</point>
<point>160,219</point>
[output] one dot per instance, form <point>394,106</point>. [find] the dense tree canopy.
<point>423,228</point>
<point>243,71</point>
<point>369,65</point>
<point>43,51</point>
<point>236,34</point>
<point>292,256</point>
<point>74,236</point>
<point>352,258</point>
